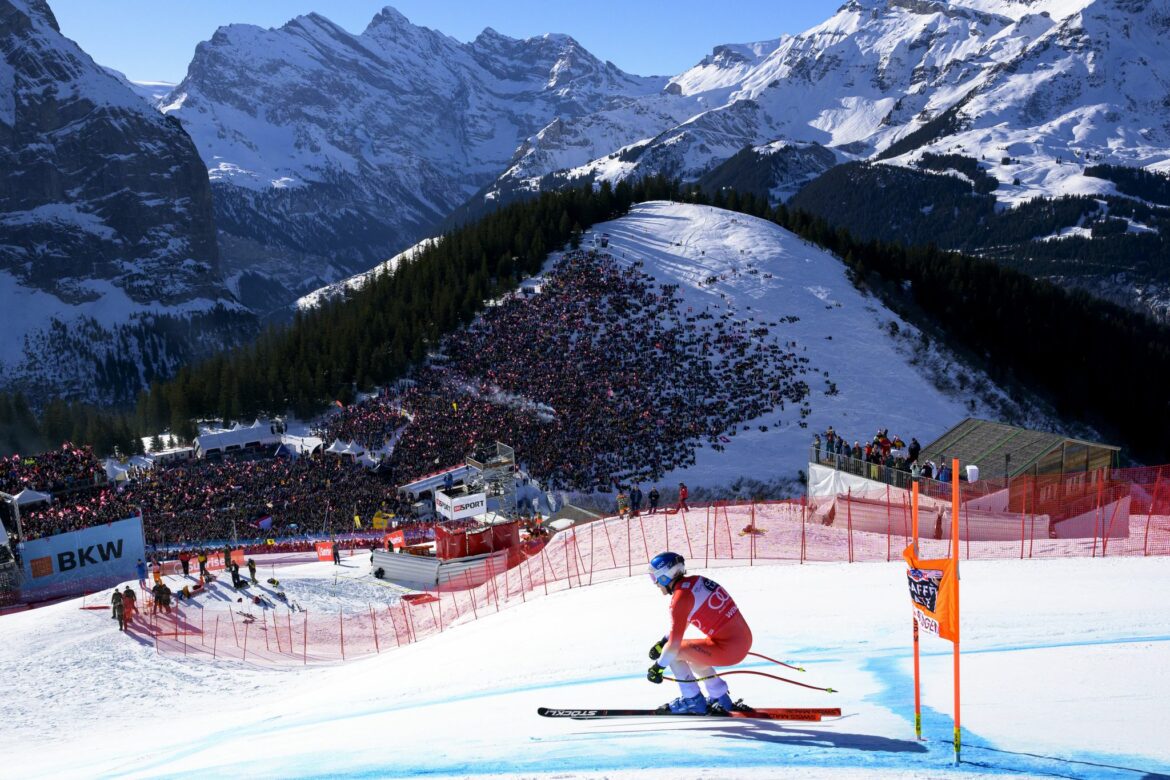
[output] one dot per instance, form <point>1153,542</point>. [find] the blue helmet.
<point>666,568</point>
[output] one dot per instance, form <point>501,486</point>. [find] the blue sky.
<point>153,40</point>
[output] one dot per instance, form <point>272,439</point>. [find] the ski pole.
<point>781,663</point>
<point>760,674</point>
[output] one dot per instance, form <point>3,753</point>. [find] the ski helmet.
<point>666,568</point>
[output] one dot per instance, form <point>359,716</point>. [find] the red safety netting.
<point>869,527</point>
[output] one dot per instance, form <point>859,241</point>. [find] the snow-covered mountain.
<point>107,246</point>
<point>350,147</point>
<point>1044,82</point>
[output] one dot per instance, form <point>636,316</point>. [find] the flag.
<point>455,406</point>
<point>264,523</point>
<point>934,591</point>
<point>340,405</point>
<point>357,522</point>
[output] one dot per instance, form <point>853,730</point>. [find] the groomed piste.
<point>1064,674</point>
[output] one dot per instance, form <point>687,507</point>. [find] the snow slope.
<point>1064,671</point>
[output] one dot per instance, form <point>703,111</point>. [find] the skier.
<point>708,607</point>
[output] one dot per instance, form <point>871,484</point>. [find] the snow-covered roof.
<point>31,497</point>
<point>301,444</point>
<point>259,432</point>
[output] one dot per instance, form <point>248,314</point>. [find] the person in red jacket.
<point>682,498</point>
<point>707,606</point>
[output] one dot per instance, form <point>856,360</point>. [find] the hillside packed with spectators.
<point>67,468</point>
<point>602,375</point>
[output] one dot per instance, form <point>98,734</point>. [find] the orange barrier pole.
<point>1109,529</point>
<point>1096,517</point>
<point>917,676</point>
<point>543,572</point>
<point>397,641</point>
<point>605,527</point>
<point>523,587</point>
<point>955,556</point>
<point>687,533</point>
<point>471,590</point>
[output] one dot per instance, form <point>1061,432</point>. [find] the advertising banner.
<point>324,551</point>
<point>459,507</point>
<point>933,593</point>
<point>104,552</point>
<point>396,539</point>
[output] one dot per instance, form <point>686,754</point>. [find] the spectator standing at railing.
<point>653,499</point>
<point>817,446</point>
<point>944,471</point>
<point>635,499</point>
<point>913,451</point>
<point>682,498</point>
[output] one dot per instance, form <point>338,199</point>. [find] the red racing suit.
<point>705,605</point>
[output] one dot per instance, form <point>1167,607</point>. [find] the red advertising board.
<point>324,551</point>
<point>395,539</point>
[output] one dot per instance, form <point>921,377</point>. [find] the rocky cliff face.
<point>340,148</point>
<point>105,218</point>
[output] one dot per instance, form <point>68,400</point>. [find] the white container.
<point>972,473</point>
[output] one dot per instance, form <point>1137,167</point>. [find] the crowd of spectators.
<point>66,468</point>
<point>603,375</point>
<point>883,458</point>
<point>199,500</point>
<point>371,425</point>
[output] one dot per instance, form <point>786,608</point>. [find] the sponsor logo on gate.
<point>924,586</point>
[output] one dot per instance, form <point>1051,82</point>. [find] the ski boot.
<point>723,705</point>
<point>695,705</point>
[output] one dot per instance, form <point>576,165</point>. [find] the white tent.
<point>31,497</point>
<point>116,471</point>
<point>301,445</point>
<point>367,461</point>
<point>337,448</point>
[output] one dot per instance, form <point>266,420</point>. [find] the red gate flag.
<point>934,592</point>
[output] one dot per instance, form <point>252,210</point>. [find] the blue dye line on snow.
<point>794,744</point>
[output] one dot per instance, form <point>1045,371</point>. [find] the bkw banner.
<point>104,553</point>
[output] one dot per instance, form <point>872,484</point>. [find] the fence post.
<point>202,636</point>
<point>707,537</point>
<point>849,521</point>
<point>305,639</point>
<point>246,641</point>
<point>232,613</point>
<point>397,641</point>
<point>803,521</point>
<point>215,639</point>
<point>888,522</point>
<point>288,614</point>
<point>751,535</point>
<point>629,550</point>
<point>609,541</point>
<point>264,617</point>
<point>341,622</point>
<point>1150,514</point>
<point>543,571</point>
<point>374,623</point>
<point>1096,514</point>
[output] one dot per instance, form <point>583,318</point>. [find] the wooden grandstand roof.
<point>984,443</point>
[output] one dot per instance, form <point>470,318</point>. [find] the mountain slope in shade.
<point>105,223</point>
<point>352,146</point>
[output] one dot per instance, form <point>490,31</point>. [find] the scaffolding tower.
<point>496,464</point>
